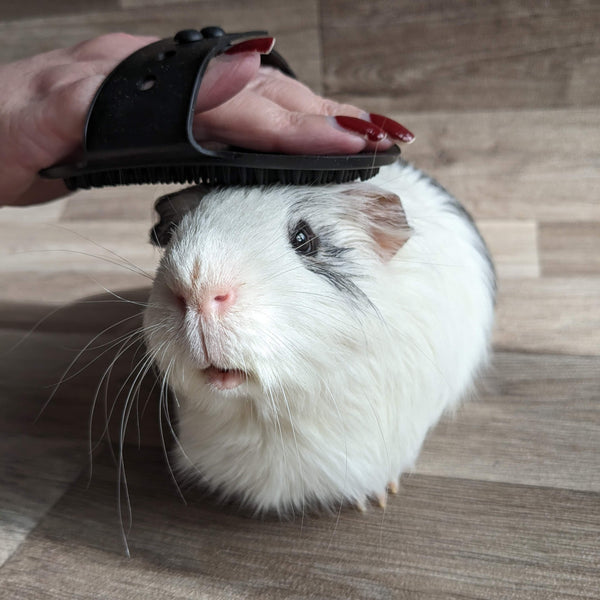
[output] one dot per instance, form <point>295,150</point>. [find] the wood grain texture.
<point>129,203</point>
<point>554,315</point>
<point>11,10</point>
<point>44,213</point>
<point>503,503</point>
<point>509,431</point>
<point>525,165</point>
<point>570,249</point>
<point>82,246</point>
<point>442,538</point>
<point>295,22</point>
<point>514,247</point>
<point>463,55</point>
<point>35,473</point>
<point>69,376</point>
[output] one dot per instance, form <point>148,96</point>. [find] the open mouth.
<point>225,379</point>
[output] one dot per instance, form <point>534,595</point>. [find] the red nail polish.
<point>392,128</point>
<point>369,130</point>
<point>261,45</point>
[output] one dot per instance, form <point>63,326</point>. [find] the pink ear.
<point>385,219</point>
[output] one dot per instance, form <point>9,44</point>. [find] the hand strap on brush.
<point>139,127</point>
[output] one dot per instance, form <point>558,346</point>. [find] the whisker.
<point>164,408</point>
<point>106,376</point>
<point>136,270</point>
<point>106,345</point>
<point>72,363</point>
<point>122,478</point>
<point>83,237</point>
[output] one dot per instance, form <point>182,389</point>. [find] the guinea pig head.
<point>266,292</point>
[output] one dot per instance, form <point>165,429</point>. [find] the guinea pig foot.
<point>360,505</point>
<point>392,487</point>
<point>381,500</point>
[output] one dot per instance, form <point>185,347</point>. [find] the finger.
<point>293,95</point>
<point>251,121</point>
<point>225,77</point>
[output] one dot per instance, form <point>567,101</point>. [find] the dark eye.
<point>303,239</point>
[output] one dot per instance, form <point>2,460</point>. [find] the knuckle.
<point>264,83</point>
<point>331,108</point>
<point>103,46</point>
<point>59,76</point>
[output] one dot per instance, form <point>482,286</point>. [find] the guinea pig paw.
<point>392,487</point>
<point>360,505</point>
<point>381,500</point>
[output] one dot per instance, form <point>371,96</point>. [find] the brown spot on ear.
<point>385,219</point>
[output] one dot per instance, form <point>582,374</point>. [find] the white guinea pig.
<point>311,336</point>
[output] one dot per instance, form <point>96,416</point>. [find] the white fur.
<point>342,392</point>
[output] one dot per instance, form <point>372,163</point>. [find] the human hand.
<point>45,99</point>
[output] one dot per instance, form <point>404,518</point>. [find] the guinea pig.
<point>311,336</point>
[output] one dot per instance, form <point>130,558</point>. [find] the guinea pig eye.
<point>303,239</point>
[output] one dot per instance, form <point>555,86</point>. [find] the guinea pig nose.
<point>217,300</point>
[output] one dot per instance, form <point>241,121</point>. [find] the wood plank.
<point>58,288</point>
<point>513,245</point>
<point>41,213</point>
<point>79,246</point>
<point>51,385</point>
<point>570,249</point>
<point>145,3</point>
<point>127,203</point>
<point>11,10</point>
<point>439,538</point>
<point>34,473</point>
<point>294,23</point>
<point>535,421</point>
<point>526,165</point>
<point>442,55</point>
<point>554,315</point>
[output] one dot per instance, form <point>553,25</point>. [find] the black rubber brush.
<point>139,127</point>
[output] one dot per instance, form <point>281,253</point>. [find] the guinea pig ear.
<point>384,218</point>
<point>171,209</point>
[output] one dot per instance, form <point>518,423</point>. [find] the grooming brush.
<point>139,127</point>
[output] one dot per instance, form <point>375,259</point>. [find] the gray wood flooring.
<point>505,499</point>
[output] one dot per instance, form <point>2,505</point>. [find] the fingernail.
<point>392,128</point>
<point>261,45</point>
<point>363,128</point>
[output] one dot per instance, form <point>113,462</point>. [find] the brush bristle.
<point>215,175</point>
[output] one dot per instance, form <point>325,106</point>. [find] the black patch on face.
<point>322,257</point>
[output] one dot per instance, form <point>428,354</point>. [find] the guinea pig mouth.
<point>225,379</point>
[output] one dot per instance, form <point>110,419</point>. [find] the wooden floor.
<point>505,500</point>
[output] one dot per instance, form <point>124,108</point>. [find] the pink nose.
<point>216,301</point>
